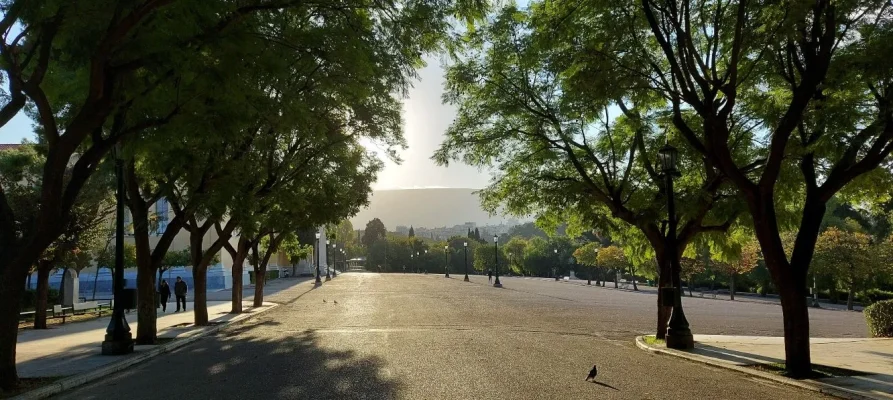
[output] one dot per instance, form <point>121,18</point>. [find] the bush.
<point>879,317</point>
<point>29,299</point>
<point>872,296</point>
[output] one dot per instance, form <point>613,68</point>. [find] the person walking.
<point>164,293</point>
<point>180,290</point>
<point>489,275</point>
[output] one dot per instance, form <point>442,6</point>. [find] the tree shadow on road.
<point>251,362</point>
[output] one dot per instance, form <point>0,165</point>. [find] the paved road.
<point>427,337</point>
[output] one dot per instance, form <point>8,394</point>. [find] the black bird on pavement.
<point>592,373</point>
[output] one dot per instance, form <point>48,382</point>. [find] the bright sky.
<point>426,120</point>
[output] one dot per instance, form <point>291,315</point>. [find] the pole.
<point>335,261</point>
<point>318,260</point>
<point>328,276</point>
<point>678,330</point>
<point>118,339</point>
<point>466,262</point>
<point>496,254</point>
<point>446,262</point>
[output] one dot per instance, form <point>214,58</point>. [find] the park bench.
<point>92,306</point>
<point>704,292</point>
<point>60,312</point>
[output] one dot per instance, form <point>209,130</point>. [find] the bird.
<point>592,373</point>
<point>324,300</point>
<point>336,301</point>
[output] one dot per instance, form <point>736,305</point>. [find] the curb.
<point>71,382</point>
<point>812,385</point>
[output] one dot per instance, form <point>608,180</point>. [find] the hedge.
<point>879,317</point>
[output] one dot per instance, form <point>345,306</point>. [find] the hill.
<point>424,207</point>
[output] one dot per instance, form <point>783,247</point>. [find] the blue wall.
<point>216,280</point>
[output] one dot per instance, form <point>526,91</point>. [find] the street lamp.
<point>425,265</point>
<point>465,246</point>
<point>334,260</point>
<point>328,276</point>
<point>678,330</point>
<point>496,254</point>
<point>446,261</point>
<point>555,268</point>
<point>318,281</point>
<point>118,339</point>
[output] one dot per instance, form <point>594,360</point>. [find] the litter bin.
<point>128,299</point>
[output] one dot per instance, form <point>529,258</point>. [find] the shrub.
<point>879,317</point>
<point>871,296</point>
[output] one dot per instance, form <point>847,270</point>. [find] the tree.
<point>690,268</point>
<point>411,232</point>
<point>374,232</point>
<point>795,74</point>
<point>485,258</point>
<point>745,261</point>
<point>179,258</point>
<point>531,109</point>
<point>612,258</point>
<point>515,249</point>
<point>849,255</point>
<point>587,255</point>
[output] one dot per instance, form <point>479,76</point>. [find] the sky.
<point>425,118</point>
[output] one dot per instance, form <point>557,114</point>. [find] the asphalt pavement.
<point>395,336</point>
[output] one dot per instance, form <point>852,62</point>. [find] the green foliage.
<point>485,259</point>
<point>106,257</point>
<point>879,317</point>
<point>176,258</point>
<point>374,232</point>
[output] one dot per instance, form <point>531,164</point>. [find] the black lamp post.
<point>425,266</point>
<point>496,254</point>
<point>678,331</point>
<point>328,276</point>
<point>446,261</point>
<point>555,269</point>
<point>334,260</point>
<point>318,258</point>
<point>118,339</point>
<point>465,246</point>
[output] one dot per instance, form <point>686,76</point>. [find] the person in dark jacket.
<point>164,293</point>
<point>180,290</point>
<point>489,275</point>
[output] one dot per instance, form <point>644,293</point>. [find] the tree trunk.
<point>732,285</point>
<point>43,292</point>
<point>632,273</point>
<point>238,267</point>
<point>199,277</point>
<point>852,289</point>
<point>28,285</point>
<point>615,279</point>
<point>260,277</point>
<point>11,288</point>
<point>796,327</point>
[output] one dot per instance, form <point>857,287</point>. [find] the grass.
<point>651,340</point>
<point>818,371</point>
<point>28,384</point>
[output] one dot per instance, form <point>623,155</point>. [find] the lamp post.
<point>555,269</point>
<point>425,266</point>
<point>334,260</point>
<point>678,330</point>
<point>318,258</point>
<point>446,261</point>
<point>465,246</point>
<point>118,339</point>
<point>815,293</point>
<point>496,254</point>
<point>328,276</point>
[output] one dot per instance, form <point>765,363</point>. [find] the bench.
<point>59,312</point>
<point>90,305</point>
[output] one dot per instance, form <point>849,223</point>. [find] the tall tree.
<point>587,255</point>
<point>411,231</point>
<point>849,255</point>
<point>794,74</point>
<point>565,139</point>
<point>374,232</point>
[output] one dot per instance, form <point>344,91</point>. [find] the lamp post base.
<point>497,284</point>
<point>117,346</point>
<point>446,276</point>
<point>466,279</point>
<point>681,339</point>
<point>328,277</point>
<point>318,281</point>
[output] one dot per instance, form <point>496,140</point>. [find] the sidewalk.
<point>873,358</point>
<point>739,296</point>
<point>75,348</point>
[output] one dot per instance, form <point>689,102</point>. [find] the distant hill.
<point>429,208</point>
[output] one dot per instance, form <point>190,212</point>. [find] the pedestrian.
<point>489,275</point>
<point>180,290</point>
<point>164,293</point>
